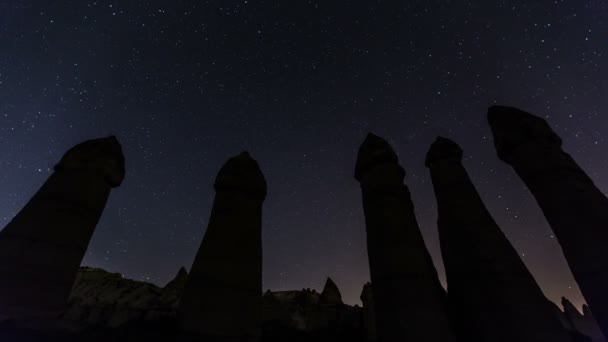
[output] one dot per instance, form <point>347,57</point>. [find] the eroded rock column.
<point>491,294</point>
<point>43,246</point>
<point>223,296</point>
<point>574,207</point>
<point>408,298</point>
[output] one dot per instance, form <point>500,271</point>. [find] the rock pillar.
<point>575,208</point>
<point>491,293</point>
<point>42,247</point>
<point>408,297</point>
<point>223,295</point>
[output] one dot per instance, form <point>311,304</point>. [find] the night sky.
<point>187,84</point>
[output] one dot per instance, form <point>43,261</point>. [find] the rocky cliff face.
<point>102,298</point>
<point>105,299</point>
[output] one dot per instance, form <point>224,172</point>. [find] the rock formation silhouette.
<point>369,318</point>
<point>491,294</point>
<point>409,300</point>
<point>574,207</point>
<point>223,295</point>
<point>42,247</point>
<point>330,294</point>
<point>108,299</point>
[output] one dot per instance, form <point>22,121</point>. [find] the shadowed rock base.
<point>42,247</point>
<point>223,295</point>
<point>491,293</point>
<point>409,301</point>
<point>369,318</point>
<point>575,208</point>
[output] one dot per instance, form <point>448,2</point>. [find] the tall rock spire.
<point>408,298</point>
<point>43,246</point>
<point>223,295</point>
<point>491,293</point>
<point>575,208</point>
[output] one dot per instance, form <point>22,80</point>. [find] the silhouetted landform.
<point>223,294</point>
<point>575,208</point>
<point>409,301</point>
<point>44,244</point>
<point>369,317</point>
<point>106,303</point>
<point>108,299</point>
<point>584,323</point>
<point>491,294</point>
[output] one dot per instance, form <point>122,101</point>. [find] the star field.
<point>187,84</point>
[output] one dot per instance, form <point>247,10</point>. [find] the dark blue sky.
<point>187,84</point>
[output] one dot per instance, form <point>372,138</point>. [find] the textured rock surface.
<point>575,208</point>
<point>408,298</point>
<point>52,232</point>
<point>491,293</point>
<point>99,297</point>
<point>108,299</point>
<point>223,295</point>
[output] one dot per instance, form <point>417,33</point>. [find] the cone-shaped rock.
<point>223,295</point>
<point>492,295</point>
<point>569,309</point>
<point>408,298</point>
<point>42,247</point>
<point>575,208</point>
<point>331,294</point>
<point>180,279</point>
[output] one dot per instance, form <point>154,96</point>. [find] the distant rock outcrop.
<point>43,246</point>
<point>108,299</point>
<point>331,294</point>
<point>102,300</point>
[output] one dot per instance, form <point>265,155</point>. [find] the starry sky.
<point>187,84</point>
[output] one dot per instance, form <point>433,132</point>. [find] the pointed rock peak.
<point>242,173</point>
<point>366,293</point>
<point>331,293</point>
<point>443,150</point>
<point>513,128</point>
<point>101,156</point>
<point>374,150</point>
<point>180,279</point>
<point>330,285</point>
<point>569,308</point>
<point>182,273</point>
<point>587,311</point>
